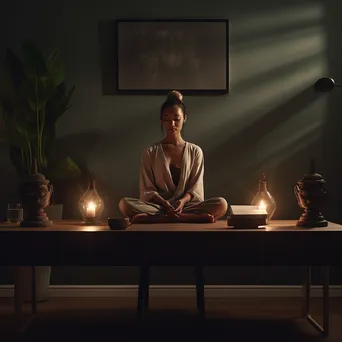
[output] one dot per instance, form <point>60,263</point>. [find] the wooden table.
<point>70,243</point>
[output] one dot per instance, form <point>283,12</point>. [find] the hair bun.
<point>174,94</point>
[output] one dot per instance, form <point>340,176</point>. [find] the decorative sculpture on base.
<point>310,193</point>
<point>35,193</point>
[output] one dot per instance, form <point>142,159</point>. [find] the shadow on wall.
<point>68,192</point>
<point>117,156</point>
<point>106,31</point>
<point>114,157</point>
<point>272,33</point>
<point>232,160</point>
<point>286,174</point>
<point>282,176</point>
<point>242,145</point>
<point>80,147</point>
<point>332,126</point>
<point>270,75</point>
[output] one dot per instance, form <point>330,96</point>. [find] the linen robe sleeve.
<point>146,179</point>
<point>196,186</point>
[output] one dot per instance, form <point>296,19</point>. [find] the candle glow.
<point>91,209</point>
<point>262,205</point>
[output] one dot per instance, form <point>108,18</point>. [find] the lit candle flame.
<point>91,209</point>
<point>262,205</point>
<point>91,205</point>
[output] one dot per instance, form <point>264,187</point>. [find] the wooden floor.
<point>171,319</point>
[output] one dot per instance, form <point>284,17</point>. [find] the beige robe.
<point>155,174</point>
<point>155,177</point>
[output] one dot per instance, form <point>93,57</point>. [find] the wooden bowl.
<point>118,223</point>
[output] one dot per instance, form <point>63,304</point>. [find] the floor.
<point>170,319</point>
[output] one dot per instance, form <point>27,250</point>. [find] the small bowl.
<point>118,223</point>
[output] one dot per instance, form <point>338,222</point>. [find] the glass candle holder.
<point>91,204</point>
<point>263,199</point>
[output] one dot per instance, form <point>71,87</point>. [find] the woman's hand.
<point>179,206</point>
<point>170,210</point>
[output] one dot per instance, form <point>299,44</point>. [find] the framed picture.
<point>156,56</point>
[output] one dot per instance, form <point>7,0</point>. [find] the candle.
<point>262,205</point>
<point>91,209</point>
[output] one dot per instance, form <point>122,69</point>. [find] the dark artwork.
<point>156,56</point>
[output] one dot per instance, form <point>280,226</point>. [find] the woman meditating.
<point>171,176</point>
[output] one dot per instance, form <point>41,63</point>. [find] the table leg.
<point>307,291</point>
<point>18,299</point>
<point>200,291</point>
<point>18,293</point>
<point>326,299</point>
<point>33,291</point>
<point>326,314</point>
<point>147,288</point>
<point>143,292</point>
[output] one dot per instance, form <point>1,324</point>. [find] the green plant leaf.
<point>36,96</point>
<point>37,86</point>
<point>55,67</point>
<point>38,91</point>
<point>33,60</point>
<point>49,138</point>
<point>59,104</point>
<point>18,129</point>
<point>19,134</point>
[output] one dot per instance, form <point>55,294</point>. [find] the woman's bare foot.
<point>196,218</point>
<point>139,218</point>
<point>146,218</point>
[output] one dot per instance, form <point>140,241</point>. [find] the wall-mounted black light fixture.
<point>325,84</point>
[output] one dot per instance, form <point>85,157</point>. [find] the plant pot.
<point>43,274</point>
<point>54,212</point>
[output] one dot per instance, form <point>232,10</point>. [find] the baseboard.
<point>211,291</point>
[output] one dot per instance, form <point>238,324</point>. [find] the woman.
<point>171,176</point>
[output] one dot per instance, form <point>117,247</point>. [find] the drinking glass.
<point>14,213</point>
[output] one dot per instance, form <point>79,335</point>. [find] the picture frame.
<point>154,56</point>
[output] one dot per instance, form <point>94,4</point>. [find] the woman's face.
<point>173,119</point>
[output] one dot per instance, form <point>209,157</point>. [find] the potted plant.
<point>34,99</point>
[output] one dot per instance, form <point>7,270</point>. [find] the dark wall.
<point>271,121</point>
<point>332,143</point>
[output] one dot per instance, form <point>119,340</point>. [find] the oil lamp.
<point>91,204</point>
<point>263,199</point>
